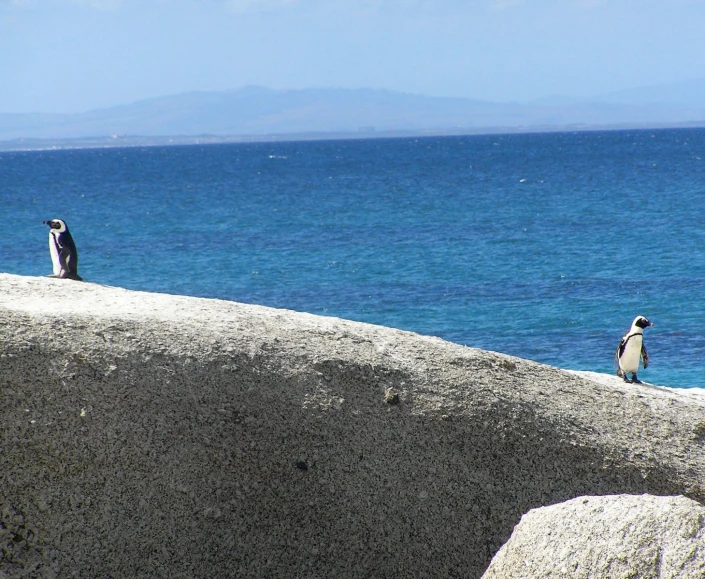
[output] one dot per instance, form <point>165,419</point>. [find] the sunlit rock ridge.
<point>149,435</point>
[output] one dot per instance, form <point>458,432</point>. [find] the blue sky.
<point>79,55</point>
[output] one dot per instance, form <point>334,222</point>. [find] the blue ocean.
<point>544,246</point>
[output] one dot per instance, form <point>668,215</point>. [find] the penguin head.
<point>641,322</point>
<point>57,225</point>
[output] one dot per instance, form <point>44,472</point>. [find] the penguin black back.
<point>64,256</point>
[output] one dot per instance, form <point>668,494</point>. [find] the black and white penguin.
<point>631,349</point>
<point>64,256</point>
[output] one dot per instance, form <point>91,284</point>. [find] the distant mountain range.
<point>256,113</point>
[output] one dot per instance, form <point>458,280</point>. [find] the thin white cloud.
<point>256,5</point>
<point>99,4</point>
<point>591,3</point>
<point>505,4</point>
<point>93,4</point>
<point>14,3</point>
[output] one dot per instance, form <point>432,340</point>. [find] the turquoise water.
<point>544,246</point>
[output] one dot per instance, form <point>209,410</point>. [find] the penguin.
<point>631,349</point>
<point>64,256</point>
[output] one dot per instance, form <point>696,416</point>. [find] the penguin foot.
<point>627,380</point>
<point>636,380</point>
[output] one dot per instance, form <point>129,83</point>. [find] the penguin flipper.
<point>68,267</point>
<point>622,345</point>
<point>64,257</point>
<point>644,356</point>
<point>618,355</point>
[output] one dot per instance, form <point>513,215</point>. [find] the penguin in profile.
<point>631,349</point>
<point>64,256</point>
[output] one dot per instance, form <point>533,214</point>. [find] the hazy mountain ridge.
<point>689,92</point>
<point>257,111</point>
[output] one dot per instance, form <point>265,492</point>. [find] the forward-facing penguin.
<point>631,349</point>
<point>64,256</point>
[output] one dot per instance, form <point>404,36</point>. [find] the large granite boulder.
<point>607,537</point>
<point>146,435</point>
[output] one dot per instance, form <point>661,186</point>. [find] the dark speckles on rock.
<point>507,365</point>
<point>391,396</point>
<point>302,465</point>
<point>699,430</point>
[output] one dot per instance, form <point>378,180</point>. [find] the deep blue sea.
<point>544,246</point>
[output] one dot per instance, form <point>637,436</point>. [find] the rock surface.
<point>607,537</point>
<point>147,435</point>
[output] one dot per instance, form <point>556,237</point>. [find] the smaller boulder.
<point>599,537</point>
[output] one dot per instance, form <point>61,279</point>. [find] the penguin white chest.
<point>54,251</point>
<point>629,361</point>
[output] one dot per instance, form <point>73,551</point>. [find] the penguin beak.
<point>47,223</point>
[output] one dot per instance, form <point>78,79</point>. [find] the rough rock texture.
<point>623,536</point>
<point>146,435</point>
